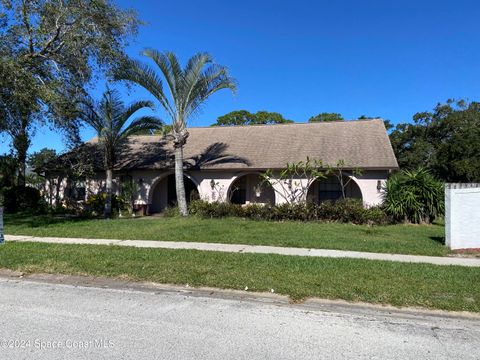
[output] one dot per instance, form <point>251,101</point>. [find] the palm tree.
<point>189,88</point>
<point>108,118</point>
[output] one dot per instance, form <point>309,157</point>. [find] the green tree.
<point>20,108</point>
<point>322,117</point>
<point>244,117</point>
<point>50,50</point>
<point>189,88</point>
<point>446,141</point>
<point>39,162</point>
<point>109,119</point>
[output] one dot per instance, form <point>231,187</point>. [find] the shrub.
<point>347,211</point>
<point>171,211</point>
<point>414,196</point>
<point>22,199</point>
<point>95,204</point>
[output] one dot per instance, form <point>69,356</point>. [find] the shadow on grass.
<point>35,221</point>
<point>439,239</point>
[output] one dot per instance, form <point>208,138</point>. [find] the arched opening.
<point>164,194</point>
<point>330,189</point>
<point>251,189</point>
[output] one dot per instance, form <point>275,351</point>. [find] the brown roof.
<point>360,143</point>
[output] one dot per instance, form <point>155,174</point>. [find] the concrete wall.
<point>371,185</point>
<point>462,216</point>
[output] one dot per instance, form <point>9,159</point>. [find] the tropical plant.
<point>414,196</point>
<point>109,118</point>
<point>129,189</point>
<point>293,182</point>
<point>189,88</point>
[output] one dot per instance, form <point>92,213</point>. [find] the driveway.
<point>45,320</point>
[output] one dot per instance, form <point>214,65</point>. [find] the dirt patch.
<point>472,252</point>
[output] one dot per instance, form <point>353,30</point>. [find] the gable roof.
<point>361,144</point>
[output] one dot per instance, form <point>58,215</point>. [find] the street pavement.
<point>47,320</point>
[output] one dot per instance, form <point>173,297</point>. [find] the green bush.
<point>171,211</point>
<point>414,196</point>
<point>345,211</point>
<point>95,204</point>
<point>22,199</point>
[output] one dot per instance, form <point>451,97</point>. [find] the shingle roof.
<point>361,144</point>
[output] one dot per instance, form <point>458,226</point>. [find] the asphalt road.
<point>56,321</point>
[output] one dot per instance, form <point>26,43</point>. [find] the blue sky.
<point>373,57</point>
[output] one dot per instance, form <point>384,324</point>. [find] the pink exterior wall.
<point>148,179</point>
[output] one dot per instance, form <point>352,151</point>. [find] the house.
<point>224,163</point>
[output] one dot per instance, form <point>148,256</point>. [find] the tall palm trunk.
<point>108,190</point>
<point>179,184</point>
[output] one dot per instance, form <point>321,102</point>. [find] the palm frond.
<point>108,118</point>
<point>147,78</point>
<point>143,124</point>
<point>169,67</point>
<point>133,108</point>
<point>192,76</point>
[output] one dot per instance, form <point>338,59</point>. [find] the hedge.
<point>345,211</point>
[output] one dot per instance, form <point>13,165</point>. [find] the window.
<point>330,189</point>
<point>77,190</point>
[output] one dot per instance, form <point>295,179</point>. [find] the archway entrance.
<point>164,193</point>
<point>330,189</point>
<point>251,189</point>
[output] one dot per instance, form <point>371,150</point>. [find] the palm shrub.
<point>114,123</point>
<point>414,196</point>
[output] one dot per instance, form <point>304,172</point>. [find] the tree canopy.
<point>39,160</point>
<point>50,52</point>
<point>244,117</point>
<point>446,141</point>
<point>324,116</point>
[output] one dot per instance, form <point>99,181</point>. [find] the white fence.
<point>462,216</point>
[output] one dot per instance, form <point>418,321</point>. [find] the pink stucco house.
<point>224,163</point>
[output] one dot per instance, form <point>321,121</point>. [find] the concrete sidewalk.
<point>256,249</point>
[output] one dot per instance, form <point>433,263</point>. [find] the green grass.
<point>399,284</point>
<point>402,239</point>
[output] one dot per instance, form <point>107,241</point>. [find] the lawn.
<point>399,284</point>
<point>401,239</point>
